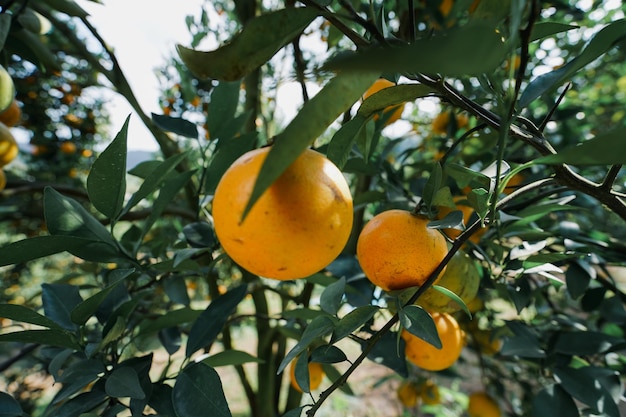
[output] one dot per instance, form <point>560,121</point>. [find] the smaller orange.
<point>316,374</point>
<point>482,404</point>
<point>86,153</point>
<point>440,123</point>
<point>429,393</point>
<point>408,394</point>
<point>396,249</point>
<point>67,147</point>
<point>8,145</point>
<point>11,116</point>
<point>428,357</point>
<point>396,111</point>
<point>3,180</point>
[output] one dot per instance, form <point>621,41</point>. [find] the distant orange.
<point>396,111</point>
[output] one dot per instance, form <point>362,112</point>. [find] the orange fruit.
<point>67,147</point>
<point>3,180</point>
<point>445,7</point>
<point>468,215</point>
<point>440,123</point>
<point>396,249</point>
<point>296,228</point>
<point>408,394</point>
<point>316,374</point>
<point>8,145</point>
<point>426,356</point>
<point>396,111</point>
<point>514,183</point>
<point>482,404</point>
<point>429,393</point>
<point>11,116</point>
<point>461,277</point>
<point>486,341</point>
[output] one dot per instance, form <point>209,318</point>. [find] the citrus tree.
<point>447,204</point>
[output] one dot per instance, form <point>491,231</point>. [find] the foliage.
<point>152,307</point>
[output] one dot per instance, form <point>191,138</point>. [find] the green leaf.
<point>48,337</point>
<point>106,183</point>
<point>606,149</point>
<point>418,322</point>
<point>212,320</point>
<point>76,377</point>
<point>202,384</point>
<point>392,96</point>
<point>294,412</point>
<point>330,299</point>
<point>453,296</point>
<point>38,247</point>
<point>259,40</point>
<point>586,343</point>
<point>544,29</point>
<point>176,125</point>
<point>328,354</point>
<point>585,385</point>
<point>433,184</point>
<point>83,311</point>
<point>58,301</point>
<point>24,314</point>
<point>9,407</point>
<point>342,141</point>
<point>311,121</point>
<point>472,50</point>
<point>320,326</point>
<point>577,280</point>
<point>554,401</point>
<point>68,7</point>
<point>352,321</point>
<point>601,43</point>
<point>82,403</point>
<point>5,25</point>
<point>161,399</point>
<point>221,113</point>
<point>523,343</point>
<point>230,357</point>
<point>301,373</point>
<point>389,351</point>
<point>154,179</point>
<point>124,382</point>
<point>200,235</point>
<point>170,319</point>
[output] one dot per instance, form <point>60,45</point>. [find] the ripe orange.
<point>396,249</point>
<point>461,277</point>
<point>440,123</point>
<point>67,147</point>
<point>482,404</point>
<point>11,116</point>
<point>316,374</point>
<point>3,180</point>
<point>8,145</point>
<point>468,215</point>
<point>408,394</point>
<point>429,393</point>
<point>396,111</point>
<point>425,355</point>
<point>296,228</point>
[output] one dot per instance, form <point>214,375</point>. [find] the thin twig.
<point>610,177</point>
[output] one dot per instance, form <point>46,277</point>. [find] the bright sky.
<point>143,34</point>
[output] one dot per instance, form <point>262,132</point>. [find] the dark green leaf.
<point>584,385</point>
<point>23,314</point>
<point>342,141</point>
<point>259,40</point>
<point>523,343</point>
<point>84,310</point>
<point>606,149</point>
<point>389,351</point>
<point>176,125</point>
<point>453,220</point>
<point>9,407</point>
<point>544,29</point>
<point>330,299</point>
<point>418,322</point>
<point>176,289</point>
<point>170,319</point>
<point>473,50</point>
<point>5,25</point>
<point>76,377</point>
<point>577,280</point>
<point>535,212</point>
<point>47,337</point>
<point>338,95</point>
<point>301,373</point>
<point>328,354</point>
<point>352,321</point>
<point>392,96</point>
<point>152,181</point>
<point>68,7</point>
<point>58,301</point>
<point>38,247</point>
<point>554,401</point>
<point>320,326</point>
<point>224,101</point>
<point>226,154</point>
<point>124,382</point>
<point>161,399</point>
<point>602,42</point>
<point>106,183</point>
<point>586,343</point>
<point>230,357</point>
<point>200,235</point>
<point>202,384</point>
<point>212,320</point>
<point>295,412</point>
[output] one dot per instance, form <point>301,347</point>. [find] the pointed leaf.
<point>58,301</point>
<point>606,149</point>
<point>212,320</point>
<point>24,314</point>
<point>418,322</point>
<point>176,125</point>
<point>202,384</point>
<point>294,412</point>
<point>106,183</point>
<point>393,96</point>
<point>83,311</point>
<point>453,297</point>
<point>320,326</point>
<point>554,401</point>
<point>224,101</point>
<point>230,357</point>
<point>353,321</point>
<point>124,382</point>
<point>46,337</point>
<point>9,407</point>
<point>338,95</point>
<point>328,354</point>
<point>259,40</point>
<point>330,299</point>
<point>342,141</point>
<point>544,29</point>
<point>39,247</point>
<point>601,43</point>
<point>472,50</point>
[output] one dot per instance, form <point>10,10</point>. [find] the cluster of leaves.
<point>546,262</point>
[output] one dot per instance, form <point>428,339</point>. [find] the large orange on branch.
<point>396,249</point>
<point>296,228</point>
